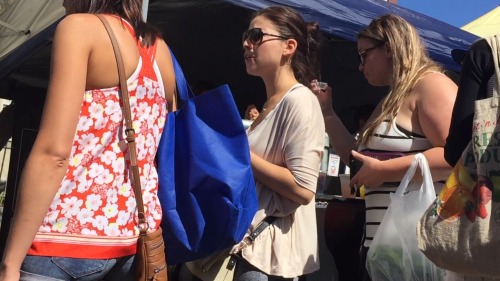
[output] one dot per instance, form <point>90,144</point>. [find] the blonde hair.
<point>410,61</point>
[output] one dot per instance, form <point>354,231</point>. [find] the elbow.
<point>60,162</point>
<point>305,197</point>
<point>56,158</point>
<point>59,159</point>
<point>306,201</point>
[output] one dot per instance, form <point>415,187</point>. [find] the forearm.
<point>340,138</point>
<point>280,180</point>
<point>395,169</point>
<point>39,183</point>
<point>440,169</point>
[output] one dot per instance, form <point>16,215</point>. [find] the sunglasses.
<point>364,53</point>
<point>255,36</point>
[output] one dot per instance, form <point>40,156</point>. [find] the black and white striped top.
<point>395,139</point>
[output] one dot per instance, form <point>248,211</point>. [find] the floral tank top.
<point>94,213</point>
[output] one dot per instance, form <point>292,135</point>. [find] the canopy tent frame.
<point>13,28</point>
<point>26,30</point>
<point>485,25</point>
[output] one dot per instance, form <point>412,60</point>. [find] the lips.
<point>249,56</point>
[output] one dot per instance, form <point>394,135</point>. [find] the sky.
<point>455,12</point>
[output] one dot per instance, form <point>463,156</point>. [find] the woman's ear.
<point>290,47</point>
<point>388,49</point>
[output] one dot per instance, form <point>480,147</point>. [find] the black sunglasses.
<point>365,52</point>
<point>255,36</point>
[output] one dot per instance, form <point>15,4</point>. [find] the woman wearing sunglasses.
<point>413,117</point>
<point>286,142</point>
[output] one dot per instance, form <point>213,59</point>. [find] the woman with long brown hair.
<point>75,216</point>
<point>286,143</point>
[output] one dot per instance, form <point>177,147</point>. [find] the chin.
<point>376,83</point>
<point>251,71</point>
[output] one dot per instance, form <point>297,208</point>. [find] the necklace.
<point>269,104</point>
<point>261,116</point>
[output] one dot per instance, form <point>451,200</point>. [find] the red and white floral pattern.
<point>96,196</point>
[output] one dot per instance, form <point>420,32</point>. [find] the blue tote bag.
<point>206,185</point>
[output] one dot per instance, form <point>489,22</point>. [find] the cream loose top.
<point>291,136</point>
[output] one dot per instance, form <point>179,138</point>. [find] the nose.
<point>246,45</point>
<point>361,67</point>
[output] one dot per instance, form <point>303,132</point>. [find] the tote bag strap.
<point>129,132</point>
<point>494,42</point>
<point>183,89</point>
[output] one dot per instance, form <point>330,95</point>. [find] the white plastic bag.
<point>393,254</point>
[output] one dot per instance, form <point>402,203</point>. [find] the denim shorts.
<point>244,271</point>
<point>59,269</point>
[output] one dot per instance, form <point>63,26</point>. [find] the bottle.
<point>322,177</point>
<point>326,154</point>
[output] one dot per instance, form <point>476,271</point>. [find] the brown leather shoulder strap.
<point>130,133</point>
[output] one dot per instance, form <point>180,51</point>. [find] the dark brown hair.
<point>290,24</point>
<point>130,10</point>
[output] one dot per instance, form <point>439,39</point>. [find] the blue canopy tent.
<point>345,18</point>
<point>206,38</point>
<point>195,28</point>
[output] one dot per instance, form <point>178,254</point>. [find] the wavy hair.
<point>410,62</point>
<point>130,10</point>
<point>290,24</point>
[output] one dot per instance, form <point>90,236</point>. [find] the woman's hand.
<point>370,174</point>
<point>9,275</point>
<point>251,113</point>
<point>324,97</point>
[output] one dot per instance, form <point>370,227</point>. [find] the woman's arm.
<point>435,95</point>
<point>279,179</point>
<point>297,147</point>
<point>340,138</point>
<point>476,72</point>
<point>48,160</point>
<point>374,173</point>
<point>164,60</point>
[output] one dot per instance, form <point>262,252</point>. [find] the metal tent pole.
<point>145,5</point>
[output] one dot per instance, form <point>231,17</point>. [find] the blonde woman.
<point>414,116</point>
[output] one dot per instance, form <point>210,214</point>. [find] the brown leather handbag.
<point>149,261</point>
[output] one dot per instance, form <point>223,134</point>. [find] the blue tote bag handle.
<point>183,89</point>
<point>206,185</point>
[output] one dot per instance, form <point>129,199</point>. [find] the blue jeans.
<point>62,269</point>
<point>244,271</point>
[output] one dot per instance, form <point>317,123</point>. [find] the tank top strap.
<point>127,25</point>
<point>147,53</point>
<point>148,58</point>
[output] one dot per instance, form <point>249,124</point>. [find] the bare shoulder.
<point>77,29</point>
<point>435,84</point>
<point>163,53</point>
<point>78,23</point>
<point>164,58</point>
